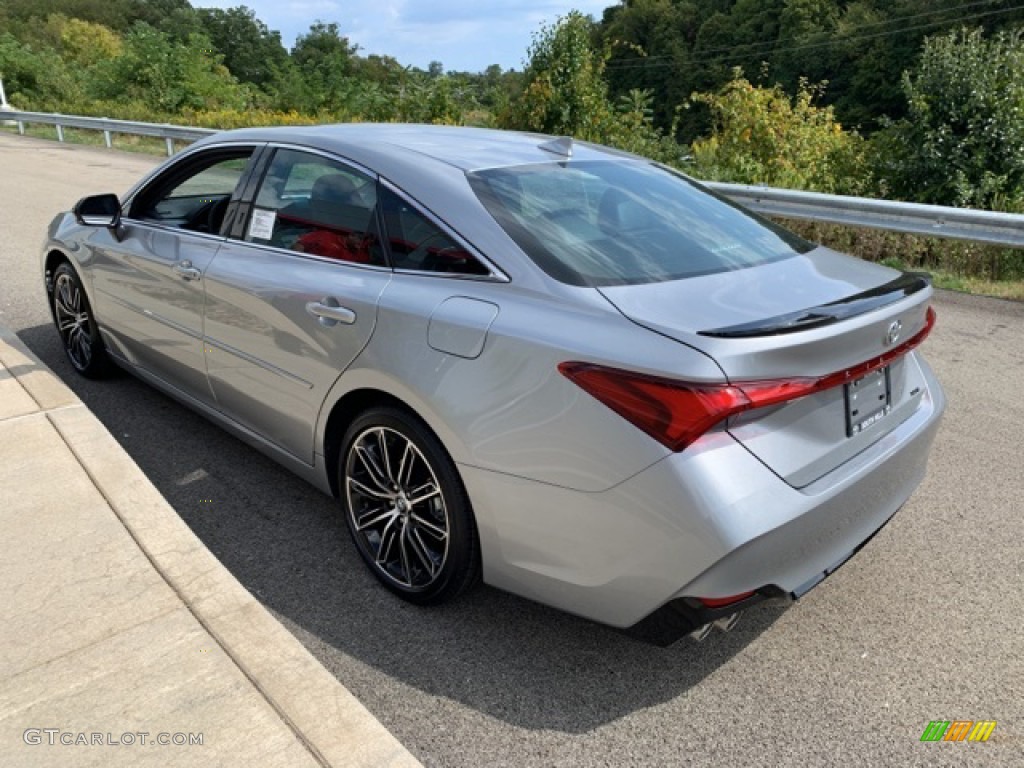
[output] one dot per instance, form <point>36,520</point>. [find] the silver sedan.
<point>570,372</point>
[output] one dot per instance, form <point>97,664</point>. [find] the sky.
<point>464,35</point>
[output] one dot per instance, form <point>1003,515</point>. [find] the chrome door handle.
<point>330,312</point>
<point>186,271</point>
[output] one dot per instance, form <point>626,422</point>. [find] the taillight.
<point>672,412</point>
<point>722,602</point>
<point>675,413</point>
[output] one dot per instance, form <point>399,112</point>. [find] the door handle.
<point>330,312</point>
<point>186,271</point>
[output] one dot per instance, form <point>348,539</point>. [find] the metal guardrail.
<point>169,133</point>
<point>913,218</point>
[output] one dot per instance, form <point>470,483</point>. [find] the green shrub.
<point>762,136</point>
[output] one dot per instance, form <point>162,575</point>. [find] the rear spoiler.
<point>905,285</point>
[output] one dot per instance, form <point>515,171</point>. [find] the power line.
<point>881,23</point>
<point>737,51</point>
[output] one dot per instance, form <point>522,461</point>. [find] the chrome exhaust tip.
<point>727,623</point>
<point>701,632</point>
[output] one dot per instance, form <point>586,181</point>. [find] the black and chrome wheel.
<point>76,325</point>
<point>406,508</point>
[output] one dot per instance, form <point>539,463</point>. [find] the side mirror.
<point>98,211</point>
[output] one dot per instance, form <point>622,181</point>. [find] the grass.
<point>147,145</point>
<point>979,286</point>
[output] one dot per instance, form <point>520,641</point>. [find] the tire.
<point>76,325</point>
<point>406,508</point>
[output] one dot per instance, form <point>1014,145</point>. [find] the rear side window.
<point>619,223</point>
<point>418,244</point>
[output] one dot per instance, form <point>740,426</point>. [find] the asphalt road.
<point>924,624</point>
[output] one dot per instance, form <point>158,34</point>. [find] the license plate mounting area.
<point>868,399</point>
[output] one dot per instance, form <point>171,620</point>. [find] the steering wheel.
<point>209,216</point>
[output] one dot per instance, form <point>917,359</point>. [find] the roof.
<point>462,147</point>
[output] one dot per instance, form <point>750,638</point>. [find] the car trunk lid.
<point>810,316</point>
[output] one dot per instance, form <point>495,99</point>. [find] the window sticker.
<point>262,225</point>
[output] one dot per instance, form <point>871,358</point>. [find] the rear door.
<point>292,299</point>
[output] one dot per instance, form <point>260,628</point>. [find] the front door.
<point>149,282</point>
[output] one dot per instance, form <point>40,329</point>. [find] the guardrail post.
<point>106,138</point>
<point>21,128</point>
<point>60,132</point>
<point>170,146</point>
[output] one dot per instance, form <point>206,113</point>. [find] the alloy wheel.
<point>73,321</point>
<point>397,509</point>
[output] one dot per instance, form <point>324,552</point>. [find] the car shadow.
<point>503,656</point>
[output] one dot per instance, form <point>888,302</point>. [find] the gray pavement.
<point>925,623</point>
<point>125,642</point>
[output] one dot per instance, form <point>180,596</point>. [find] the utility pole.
<point>4,104</point>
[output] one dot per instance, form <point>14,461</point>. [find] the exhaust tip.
<point>727,623</point>
<point>701,633</point>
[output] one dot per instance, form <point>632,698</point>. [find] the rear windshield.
<point>619,223</point>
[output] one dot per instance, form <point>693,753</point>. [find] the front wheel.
<point>406,508</point>
<point>76,324</point>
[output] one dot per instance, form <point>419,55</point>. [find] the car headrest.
<point>333,188</point>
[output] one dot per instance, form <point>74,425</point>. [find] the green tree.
<point>326,61</point>
<point>34,78</point>
<point>167,76</point>
<point>862,47</point>
<point>565,92</point>
<point>252,52</point>
<point>82,43</point>
<point>962,142</point>
<point>118,15</point>
<point>651,50</point>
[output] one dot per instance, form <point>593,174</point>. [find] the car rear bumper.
<point>709,522</point>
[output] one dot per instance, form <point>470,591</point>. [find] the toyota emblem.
<point>893,334</point>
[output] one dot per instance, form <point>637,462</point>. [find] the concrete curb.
<point>328,720</point>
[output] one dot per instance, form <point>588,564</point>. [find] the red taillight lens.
<point>675,413</point>
<point>721,602</point>
<point>672,412</point>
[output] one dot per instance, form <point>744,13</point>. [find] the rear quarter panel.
<point>509,409</point>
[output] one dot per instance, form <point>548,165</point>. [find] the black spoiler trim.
<point>905,285</point>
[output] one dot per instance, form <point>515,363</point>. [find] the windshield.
<point>618,223</point>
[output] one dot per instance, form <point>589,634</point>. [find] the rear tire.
<point>76,324</point>
<point>406,507</point>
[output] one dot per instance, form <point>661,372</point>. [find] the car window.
<point>417,243</point>
<point>614,223</point>
<point>312,204</point>
<point>194,195</point>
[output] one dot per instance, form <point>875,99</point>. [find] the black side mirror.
<point>98,211</point>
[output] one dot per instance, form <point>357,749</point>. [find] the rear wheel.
<point>406,508</point>
<point>76,324</point>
